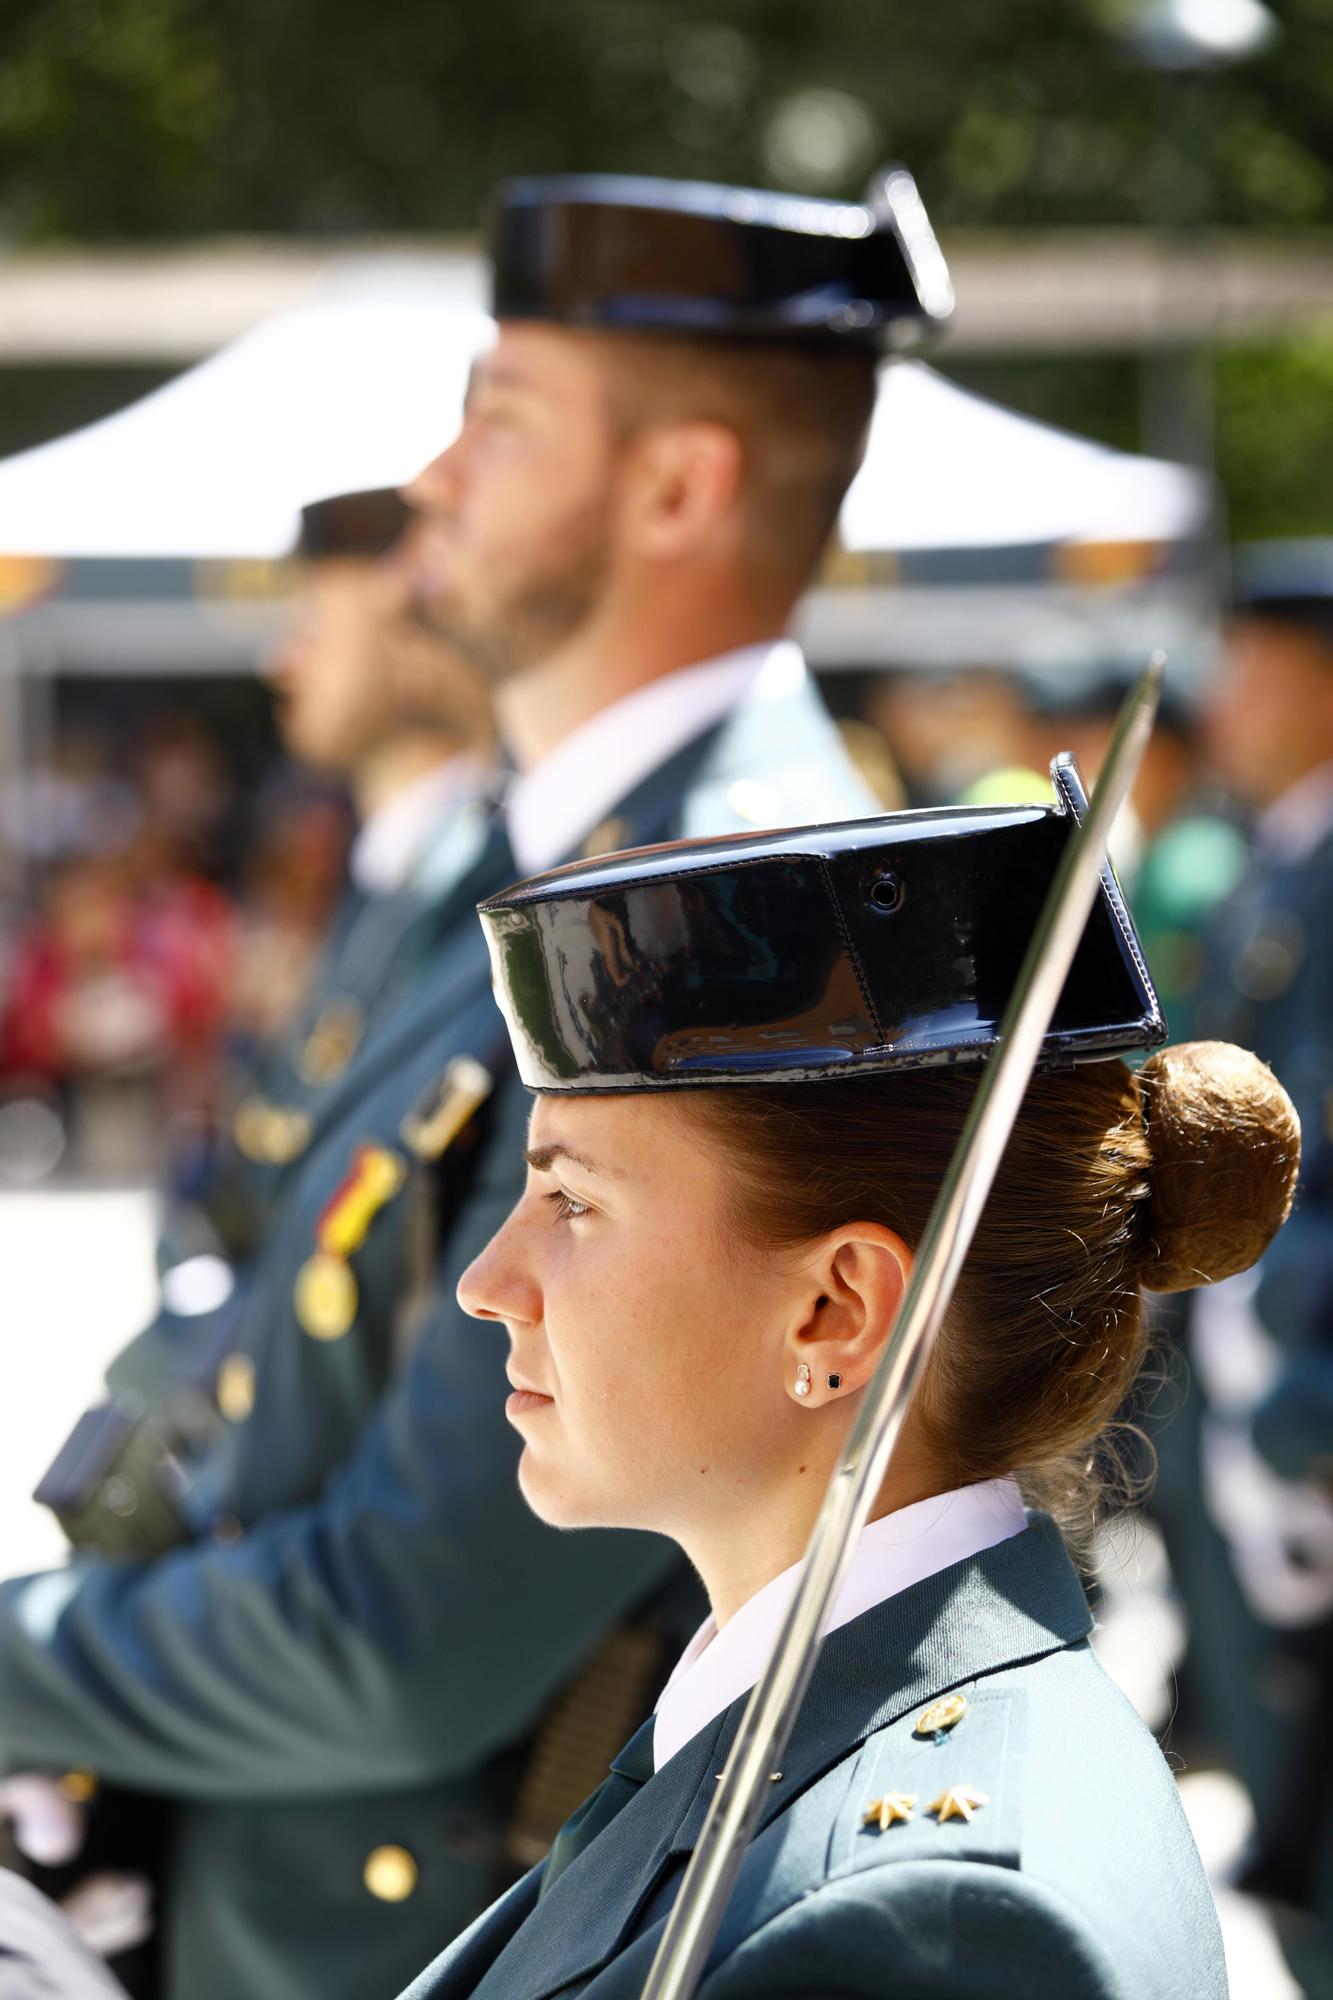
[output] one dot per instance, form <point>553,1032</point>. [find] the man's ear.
<point>853,1285</point>
<point>682,489</point>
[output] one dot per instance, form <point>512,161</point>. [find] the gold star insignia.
<point>957,1802</point>
<point>884,1812</point>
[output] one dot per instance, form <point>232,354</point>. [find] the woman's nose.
<point>495,1284</point>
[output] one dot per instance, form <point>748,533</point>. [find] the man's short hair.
<point>802,413</point>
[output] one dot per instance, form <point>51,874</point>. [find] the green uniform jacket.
<point>1076,1879</point>
<point>349,1676</point>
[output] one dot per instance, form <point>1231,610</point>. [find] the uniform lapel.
<point>580,1924</point>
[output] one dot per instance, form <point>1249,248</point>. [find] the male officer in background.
<point>1261,1603</point>
<point>337,1687</point>
<point>364,696</point>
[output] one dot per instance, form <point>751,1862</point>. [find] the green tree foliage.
<point>166,118</point>
<point>1274,421</point>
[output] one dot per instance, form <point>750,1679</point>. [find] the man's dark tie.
<point>630,1771</point>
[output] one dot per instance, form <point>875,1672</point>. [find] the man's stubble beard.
<point>538,615</point>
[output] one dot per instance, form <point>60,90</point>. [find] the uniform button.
<point>236,1388</point>
<point>390,1874</point>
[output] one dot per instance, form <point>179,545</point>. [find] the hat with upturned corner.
<point>633,254</point>
<point>799,956</point>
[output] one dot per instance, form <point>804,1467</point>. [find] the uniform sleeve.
<point>410,1622</point>
<point>929,1931</point>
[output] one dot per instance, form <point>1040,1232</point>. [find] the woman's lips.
<point>523,1402</point>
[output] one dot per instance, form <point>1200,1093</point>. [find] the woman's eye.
<point>566,1207</point>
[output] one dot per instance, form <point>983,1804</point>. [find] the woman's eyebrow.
<point>540,1159</point>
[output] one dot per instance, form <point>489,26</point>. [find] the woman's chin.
<point>560,1504</point>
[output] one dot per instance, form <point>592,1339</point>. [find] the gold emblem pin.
<point>957,1802</point>
<point>79,1787</point>
<point>888,1811</point>
<point>331,1043</point>
<point>390,1874</point>
<point>326,1296</point>
<point>942,1716</point>
<point>235,1388</point>
<point>271,1134</point>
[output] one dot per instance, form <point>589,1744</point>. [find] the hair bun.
<point>1226,1148</point>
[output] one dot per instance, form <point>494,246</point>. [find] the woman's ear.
<point>852,1287</point>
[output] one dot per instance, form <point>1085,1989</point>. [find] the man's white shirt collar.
<point>393,843</point>
<point>551,808</point>
<point>901,1549</point>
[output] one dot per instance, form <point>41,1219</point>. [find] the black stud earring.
<point>835,1381</point>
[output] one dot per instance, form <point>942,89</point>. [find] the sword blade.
<point>771,1711</point>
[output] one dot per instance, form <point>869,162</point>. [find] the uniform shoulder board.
<point>445,1109</point>
<point>941,1782</point>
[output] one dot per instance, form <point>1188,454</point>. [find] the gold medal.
<point>325,1296</point>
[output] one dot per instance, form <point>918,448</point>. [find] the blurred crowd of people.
<point>160,926</point>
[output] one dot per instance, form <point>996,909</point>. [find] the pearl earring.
<point>803,1380</point>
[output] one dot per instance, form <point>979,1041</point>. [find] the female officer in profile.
<point>750,1060</point>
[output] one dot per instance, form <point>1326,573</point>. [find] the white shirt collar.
<point>555,805</point>
<point>392,843</point>
<point>900,1549</point>
<point>1295,824</point>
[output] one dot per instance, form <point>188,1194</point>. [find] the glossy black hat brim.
<point>869,945</point>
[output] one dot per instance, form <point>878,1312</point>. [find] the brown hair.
<point>802,413</point>
<point>1112,1182</point>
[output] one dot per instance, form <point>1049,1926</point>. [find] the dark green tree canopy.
<point>135,119</point>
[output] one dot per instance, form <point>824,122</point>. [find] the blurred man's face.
<point>1269,715</point>
<point>330,671</point>
<point>515,545</point>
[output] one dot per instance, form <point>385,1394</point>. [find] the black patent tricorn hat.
<point>635,254</point>
<point>808,954</point>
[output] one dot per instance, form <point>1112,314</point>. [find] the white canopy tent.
<point>348,394</point>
